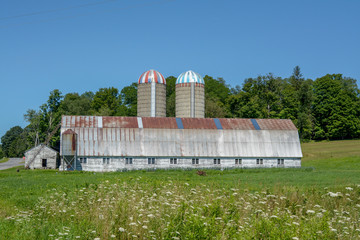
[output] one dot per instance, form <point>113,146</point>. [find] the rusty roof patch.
<point>120,122</point>
<point>199,123</point>
<point>69,131</point>
<point>276,124</point>
<point>237,123</point>
<point>159,122</point>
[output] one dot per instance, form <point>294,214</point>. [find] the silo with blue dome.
<point>190,95</point>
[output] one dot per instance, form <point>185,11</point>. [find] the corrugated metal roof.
<point>156,122</point>
<point>237,123</point>
<point>276,124</point>
<point>199,123</point>
<point>170,123</point>
<point>121,136</point>
<point>120,122</point>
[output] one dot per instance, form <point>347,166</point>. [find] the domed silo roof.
<point>190,77</point>
<point>151,76</point>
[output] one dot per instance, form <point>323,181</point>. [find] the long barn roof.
<point>175,123</point>
<point>188,137</point>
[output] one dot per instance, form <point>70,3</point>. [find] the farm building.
<point>152,141</point>
<point>45,157</point>
<point>95,143</point>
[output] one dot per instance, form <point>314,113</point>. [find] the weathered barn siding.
<point>183,138</point>
<point>46,153</point>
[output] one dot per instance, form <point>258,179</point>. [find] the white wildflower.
<point>310,211</point>
<point>338,194</point>
<point>349,188</point>
<point>121,229</point>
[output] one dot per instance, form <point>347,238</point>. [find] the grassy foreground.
<point>319,201</point>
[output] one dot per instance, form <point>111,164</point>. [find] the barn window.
<point>151,160</point>
<point>106,160</point>
<point>173,161</point>
<point>238,161</point>
<point>83,160</point>
<point>128,161</point>
<point>195,161</point>
<point>216,161</point>
<point>259,161</point>
<point>280,161</point>
<point>44,163</point>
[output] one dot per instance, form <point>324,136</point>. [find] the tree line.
<point>326,108</point>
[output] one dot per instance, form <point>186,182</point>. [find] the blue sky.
<point>84,45</point>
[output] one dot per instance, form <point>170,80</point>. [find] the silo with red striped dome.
<point>151,95</point>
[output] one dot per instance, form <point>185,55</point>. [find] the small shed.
<point>45,157</point>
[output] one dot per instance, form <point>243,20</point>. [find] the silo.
<point>190,95</point>
<point>151,95</point>
<point>68,150</point>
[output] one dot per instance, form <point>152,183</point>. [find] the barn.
<point>41,157</point>
<point>102,143</point>
<point>154,141</point>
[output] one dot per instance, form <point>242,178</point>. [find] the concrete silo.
<point>190,95</point>
<point>151,95</point>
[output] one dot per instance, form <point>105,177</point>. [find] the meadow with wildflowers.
<point>319,201</point>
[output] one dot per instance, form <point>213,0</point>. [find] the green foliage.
<point>170,96</point>
<point>9,141</point>
<point>216,93</point>
<point>336,107</point>
<point>75,104</point>
<point>129,99</point>
<point>1,152</point>
<point>106,102</point>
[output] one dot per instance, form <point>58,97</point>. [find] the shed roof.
<point>33,148</point>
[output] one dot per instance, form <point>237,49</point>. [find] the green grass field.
<point>320,200</point>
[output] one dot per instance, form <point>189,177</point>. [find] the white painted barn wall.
<point>96,164</point>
